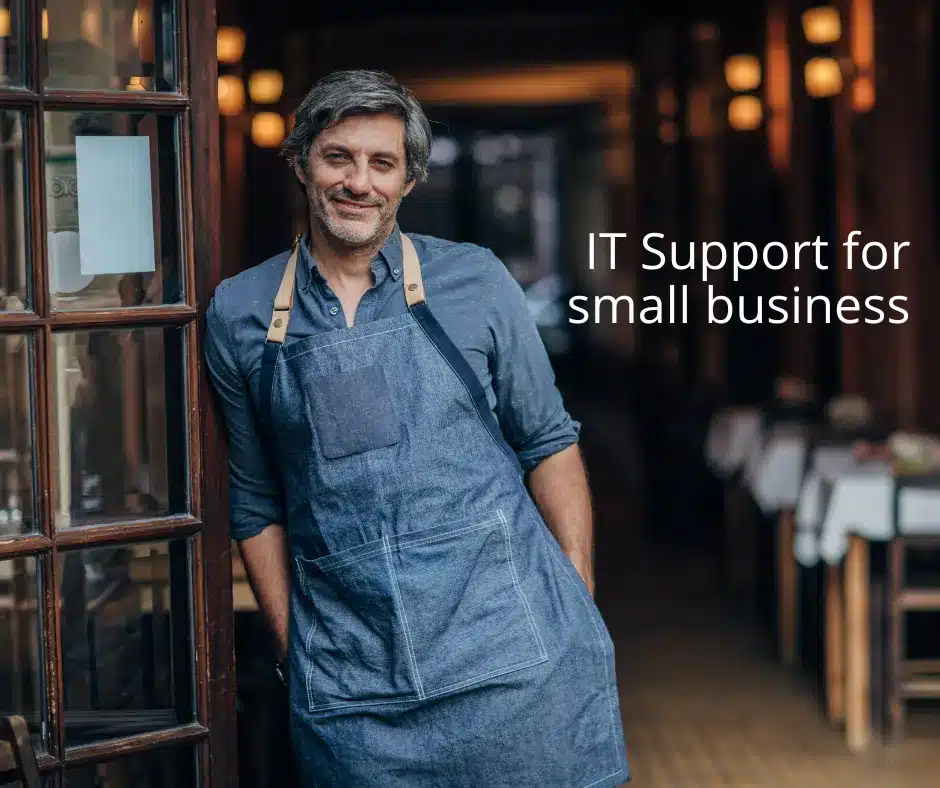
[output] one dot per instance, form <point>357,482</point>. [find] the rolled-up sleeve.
<point>255,497</point>
<point>529,406</point>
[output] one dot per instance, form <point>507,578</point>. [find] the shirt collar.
<point>388,261</point>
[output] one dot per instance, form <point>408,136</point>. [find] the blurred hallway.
<point>705,701</point>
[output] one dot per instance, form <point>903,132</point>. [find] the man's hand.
<point>560,488</point>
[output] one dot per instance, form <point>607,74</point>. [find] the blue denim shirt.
<point>473,296</point>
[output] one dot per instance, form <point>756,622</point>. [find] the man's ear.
<point>299,172</point>
<point>408,187</point>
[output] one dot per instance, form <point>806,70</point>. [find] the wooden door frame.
<point>217,673</point>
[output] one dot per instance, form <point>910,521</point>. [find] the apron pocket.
<point>352,411</point>
<point>356,650</point>
<point>467,616</point>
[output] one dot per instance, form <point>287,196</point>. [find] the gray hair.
<point>346,93</point>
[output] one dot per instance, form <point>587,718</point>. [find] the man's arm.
<point>534,421</point>
<point>560,488</point>
<point>268,566</point>
<point>256,503</point>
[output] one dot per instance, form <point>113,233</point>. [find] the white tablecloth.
<point>857,499</point>
<point>826,465</point>
<point>731,435</point>
<point>774,471</point>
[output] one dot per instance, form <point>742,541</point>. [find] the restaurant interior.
<point>766,491</point>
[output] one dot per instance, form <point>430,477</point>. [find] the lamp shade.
<point>267,129</point>
<point>229,44</point>
<point>823,77</point>
<point>265,87</point>
<point>745,113</point>
<point>231,95</point>
<point>743,72</point>
<point>822,25</point>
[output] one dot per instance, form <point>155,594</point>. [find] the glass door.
<point>115,576</point>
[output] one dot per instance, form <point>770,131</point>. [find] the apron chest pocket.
<point>352,412</point>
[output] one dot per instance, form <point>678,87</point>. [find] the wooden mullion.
<point>131,745</point>
<point>16,322</point>
<point>182,47</point>
<point>35,46</point>
<point>171,315</point>
<point>52,653</point>
<point>200,640</point>
<point>127,532</point>
<point>17,98</point>
<point>185,188</point>
<point>129,101</point>
<point>51,588</point>
<point>193,421</point>
<point>31,544</point>
<point>36,213</point>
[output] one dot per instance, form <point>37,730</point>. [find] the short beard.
<point>353,235</point>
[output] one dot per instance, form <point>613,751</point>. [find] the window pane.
<point>127,657</point>
<point>20,655</point>
<point>112,207</point>
<point>13,276</point>
<point>158,769</point>
<point>110,44</point>
<point>12,31</point>
<point>17,499</point>
<point>119,425</point>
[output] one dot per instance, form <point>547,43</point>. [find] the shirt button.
<point>334,310</point>
<point>396,271</point>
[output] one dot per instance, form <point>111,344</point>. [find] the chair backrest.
<point>17,758</point>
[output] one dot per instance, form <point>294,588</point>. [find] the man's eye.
<point>384,164</point>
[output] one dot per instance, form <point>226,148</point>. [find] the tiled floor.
<point>704,703</point>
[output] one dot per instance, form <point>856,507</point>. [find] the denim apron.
<point>439,637</point>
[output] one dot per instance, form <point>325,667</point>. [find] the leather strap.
<point>414,285</point>
<point>284,300</point>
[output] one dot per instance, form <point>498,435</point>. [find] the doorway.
<point>115,575</point>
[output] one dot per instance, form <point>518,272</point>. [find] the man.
<point>386,398</point>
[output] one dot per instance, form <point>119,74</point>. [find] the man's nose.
<point>357,179</point>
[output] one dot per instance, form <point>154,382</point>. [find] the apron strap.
<point>414,285</point>
<point>461,367</point>
<point>284,300</point>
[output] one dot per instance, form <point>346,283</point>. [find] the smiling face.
<point>356,177</point>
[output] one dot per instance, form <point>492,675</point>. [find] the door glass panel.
<point>119,417</point>
<point>12,31</point>
<point>17,473</point>
<point>20,654</point>
<point>110,44</point>
<point>127,657</point>
<point>112,209</point>
<point>159,769</point>
<point>13,243</point>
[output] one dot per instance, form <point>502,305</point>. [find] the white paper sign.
<point>115,205</point>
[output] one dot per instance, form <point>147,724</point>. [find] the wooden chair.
<point>910,589</point>
<point>17,758</point>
